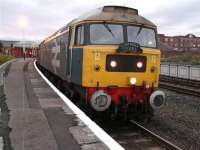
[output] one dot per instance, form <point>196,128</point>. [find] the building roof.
<point>27,44</point>
<point>186,36</point>
<point>7,44</point>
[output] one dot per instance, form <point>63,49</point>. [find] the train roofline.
<point>108,14</point>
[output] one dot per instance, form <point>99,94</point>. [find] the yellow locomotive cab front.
<point>94,68</point>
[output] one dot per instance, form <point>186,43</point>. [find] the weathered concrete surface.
<point>30,129</point>
<point>95,146</point>
<point>81,132</point>
<point>39,119</point>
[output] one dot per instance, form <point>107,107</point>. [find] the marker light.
<point>132,81</point>
<point>113,63</point>
<point>139,64</point>
<point>153,69</point>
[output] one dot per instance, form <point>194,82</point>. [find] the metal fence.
<point>181,71</point>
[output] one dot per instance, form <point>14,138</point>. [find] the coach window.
<point>79,38</point>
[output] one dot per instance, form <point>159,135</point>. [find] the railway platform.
<point>36,118</point>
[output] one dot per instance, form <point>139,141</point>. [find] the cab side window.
<point>64,41</point>
<point>79,37</point>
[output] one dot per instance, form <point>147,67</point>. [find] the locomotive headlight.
<point>139,64</point>
<point>113,63</point>
<point>132,81</point>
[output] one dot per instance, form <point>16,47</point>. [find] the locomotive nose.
<point>157,99</point>
<point>100,101</point>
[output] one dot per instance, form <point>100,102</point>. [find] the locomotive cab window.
<point>79,37</point>
<point>146,37</point>
<point>106,34</point>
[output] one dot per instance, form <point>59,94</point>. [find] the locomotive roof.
<point>114,13</point>
<point>109,13</point>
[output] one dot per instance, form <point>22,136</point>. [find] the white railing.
<point>181,71</point>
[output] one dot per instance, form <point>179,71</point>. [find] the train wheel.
<point>52,79</point>
<point>59,85</point>
<point>67,93</point>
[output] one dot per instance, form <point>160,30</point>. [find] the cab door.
<point>69,53</point>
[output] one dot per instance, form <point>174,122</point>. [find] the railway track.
<point>180,81</point>
<point>159,139</point>
<point>132,135</point>
<point>189,87</point>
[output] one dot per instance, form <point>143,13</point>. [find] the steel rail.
<point>180,81</point>
<point>168,144</point>
<point>180,89</point>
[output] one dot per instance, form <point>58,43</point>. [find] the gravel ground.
<point>178,121</point>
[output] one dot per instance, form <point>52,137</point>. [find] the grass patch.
<point>5,58</point>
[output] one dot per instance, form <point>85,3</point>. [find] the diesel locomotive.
<point>108,60</point>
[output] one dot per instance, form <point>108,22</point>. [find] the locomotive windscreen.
<point>125,63</point>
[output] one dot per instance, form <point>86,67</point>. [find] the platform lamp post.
<point>23,23</point>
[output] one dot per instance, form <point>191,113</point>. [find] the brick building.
<point>190,42</point>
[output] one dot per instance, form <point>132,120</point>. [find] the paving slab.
<point>94,146</point>
<point>43,90</point>
<point>83,135</point>
<point>50,102</point>
<point>36,123</point>
<point>60,123</point>
<point>67,110</point>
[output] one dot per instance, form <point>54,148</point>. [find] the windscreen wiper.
<point>139,30</point>
<point>108,28</point>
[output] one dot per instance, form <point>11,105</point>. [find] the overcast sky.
<point>173,17</point>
